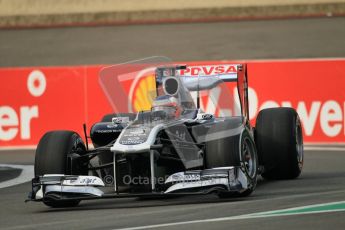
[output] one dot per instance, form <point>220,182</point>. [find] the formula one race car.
<point>173,148</point>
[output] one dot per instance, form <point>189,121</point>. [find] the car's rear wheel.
<point>279,140</point>
<point>238,150</point>
<point>52,158</point>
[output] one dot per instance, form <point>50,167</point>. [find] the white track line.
<point>324,148</point>
<point>26,175</point>
<point>243,217</point>
<point>18,147</point>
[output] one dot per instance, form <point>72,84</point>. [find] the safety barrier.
<point>38,99</point>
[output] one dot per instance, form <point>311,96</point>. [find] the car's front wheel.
<point>52,158</point>
<point>238,150</point>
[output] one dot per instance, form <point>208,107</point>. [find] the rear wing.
<point>196,78</point>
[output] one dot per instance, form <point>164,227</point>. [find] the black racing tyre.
<point>108,117</point>
<point>279,141</point>
<point>52,158</point>
<point>237,150</point>
<point>222,152</point>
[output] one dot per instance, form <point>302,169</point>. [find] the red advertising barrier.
<point>38,99</point>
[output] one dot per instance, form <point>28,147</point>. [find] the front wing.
<point>69,187</point>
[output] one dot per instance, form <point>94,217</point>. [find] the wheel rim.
<point>299,144</point>
<point>249,158</point>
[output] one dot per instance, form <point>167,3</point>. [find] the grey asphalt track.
<point>7,173</point>
<point>266,39</point>
<point>323,178</point>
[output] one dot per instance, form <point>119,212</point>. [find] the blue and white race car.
<point>172,149</point>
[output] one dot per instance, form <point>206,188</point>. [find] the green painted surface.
<point>317,208</point>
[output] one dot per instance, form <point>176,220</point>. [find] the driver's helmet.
<point>168,104</point>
